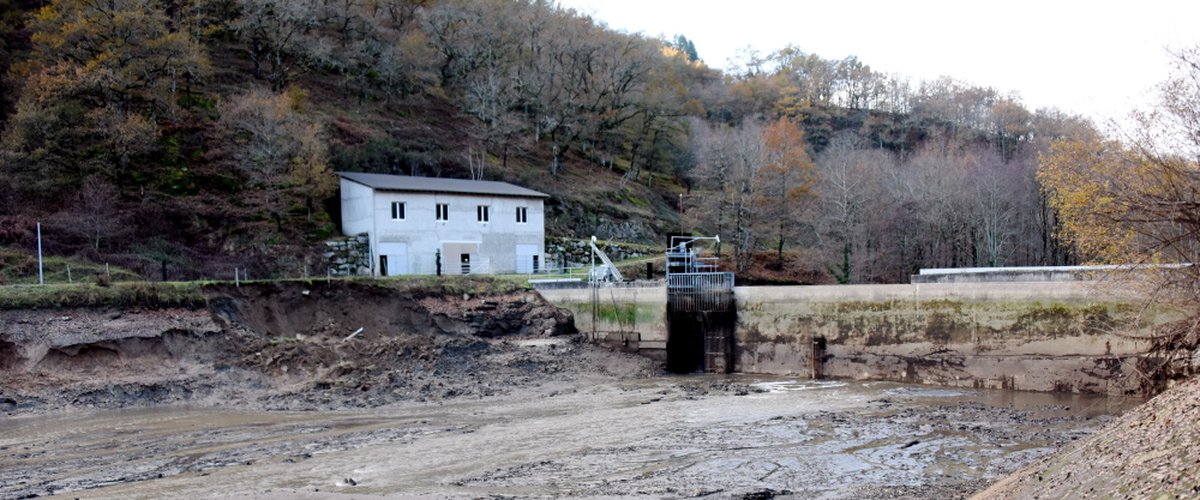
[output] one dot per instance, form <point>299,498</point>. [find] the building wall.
<point>494,243</point>
<point>356,208</point>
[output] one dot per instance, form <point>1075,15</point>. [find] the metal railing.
<point>703,281</point>
<point>708,292</point>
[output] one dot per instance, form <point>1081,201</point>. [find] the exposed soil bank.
<point>293,345</point>
<point>1151,452</point>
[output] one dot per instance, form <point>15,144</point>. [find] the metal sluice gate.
<point>701,311</point>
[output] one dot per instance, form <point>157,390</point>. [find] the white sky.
<point>1099,59</point>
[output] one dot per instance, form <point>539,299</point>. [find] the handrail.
<point>616,273</point>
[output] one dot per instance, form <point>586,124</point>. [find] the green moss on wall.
<point>886,322</point>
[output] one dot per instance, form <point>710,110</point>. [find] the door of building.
<point>527,259</point>
<point>393,259</point>
<point>468,257</point>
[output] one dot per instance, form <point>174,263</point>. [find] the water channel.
<point>670,436</point>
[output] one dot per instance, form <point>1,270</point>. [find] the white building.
<point>415,224</point>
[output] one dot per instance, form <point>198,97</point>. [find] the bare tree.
<point>277,149</point>
<point>276,32</point>
<point>97,210</point>
<point>846,186</point>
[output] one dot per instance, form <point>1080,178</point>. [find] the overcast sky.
<point>1098,59</point>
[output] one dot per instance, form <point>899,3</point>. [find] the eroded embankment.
<point>1151,452</point>
<point>291,345</point>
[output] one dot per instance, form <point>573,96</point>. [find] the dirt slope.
<point>1150,452</point>
<point>294,346</point>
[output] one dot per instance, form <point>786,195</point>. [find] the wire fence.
<point>56,270</point>
<point>20,265</point>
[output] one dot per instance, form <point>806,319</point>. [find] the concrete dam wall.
<point>1066,336</point>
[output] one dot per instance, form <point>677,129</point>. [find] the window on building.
<point>443,211</point>
<point>397,210</point>
<point>481,213</point>
<point>522,215</point>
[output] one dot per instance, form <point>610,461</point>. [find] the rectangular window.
<point>481,213</point>
<point>443,211</point>
<point>397,210</point>
<point>522,215</point>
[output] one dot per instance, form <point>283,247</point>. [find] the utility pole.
<point>681,214</point>
<point>595,289</point>
<point>41,278</point>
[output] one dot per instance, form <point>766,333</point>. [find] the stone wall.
<point>576,253</point>
<point>349,256</point>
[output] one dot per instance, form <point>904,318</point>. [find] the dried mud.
<point>664,437</point>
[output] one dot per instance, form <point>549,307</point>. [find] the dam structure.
<point>1073,336</point>
<point>701,311</point>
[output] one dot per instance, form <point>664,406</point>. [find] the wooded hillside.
<point>204,133</point>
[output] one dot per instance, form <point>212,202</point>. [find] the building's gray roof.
<point>385,182</point>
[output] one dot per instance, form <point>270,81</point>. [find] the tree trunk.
<point>779,249</point>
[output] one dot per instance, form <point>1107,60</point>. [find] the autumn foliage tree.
<point>1139,203</point>
<point>278,150</point>
<point>756,178</point>
<point>103,73</point>
<point>788,174</point>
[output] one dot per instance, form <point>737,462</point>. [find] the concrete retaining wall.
<point>631,318</point>
<point>1067,336</point>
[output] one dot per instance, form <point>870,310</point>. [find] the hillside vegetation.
<point>205,134</point>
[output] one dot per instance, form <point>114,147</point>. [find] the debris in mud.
<point>763,494</point>
<point>294,346</point>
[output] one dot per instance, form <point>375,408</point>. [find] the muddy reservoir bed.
<point>682,436</point>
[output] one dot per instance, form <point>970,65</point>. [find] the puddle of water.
<point>542,342</point>
<point>778,386</point>
<point>924,392</point>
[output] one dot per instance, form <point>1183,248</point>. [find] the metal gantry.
<point>701,312</point>
<point>693,282</point>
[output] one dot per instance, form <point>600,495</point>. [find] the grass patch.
<point>19,267</point>
<point>472,285</point>
<point>192,294</point>
<point>126,294</point>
